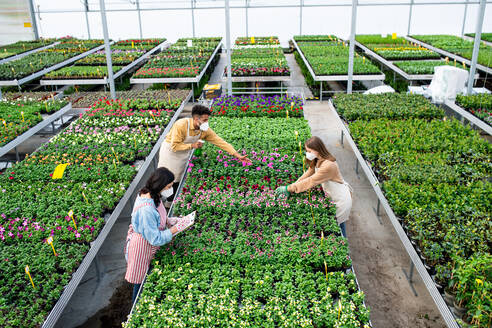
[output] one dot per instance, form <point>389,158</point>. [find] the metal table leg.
<point>410,278</point>
<point>378,215</point>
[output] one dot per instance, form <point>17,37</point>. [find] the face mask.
<point>167,192</point>
<point>204,126</point>
<point>310,156</point>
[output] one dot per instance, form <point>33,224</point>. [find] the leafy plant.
<point>251,258</point>
<point>479,105</point>
<point>459,46</point>
<point>331,58</point>
<point>423,67</point>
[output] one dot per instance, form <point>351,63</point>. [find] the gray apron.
<point>341,195</point>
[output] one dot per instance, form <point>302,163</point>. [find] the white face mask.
<point>310,156</point>
<point>167,192</point>
<point>204,126</point>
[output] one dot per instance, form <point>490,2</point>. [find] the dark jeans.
<point>175,189</point>
<point>136,287</point>
<point>342,227</point>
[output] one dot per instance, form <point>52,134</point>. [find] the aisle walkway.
<point>377,253</point>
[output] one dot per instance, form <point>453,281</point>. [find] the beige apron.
<point>341,195</point>
<point>176,161</point>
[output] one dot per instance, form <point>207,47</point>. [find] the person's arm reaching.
<point>214,139</point>
<point>325,172</point>
<point>307,174</point>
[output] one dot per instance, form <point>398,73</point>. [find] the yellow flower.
<point>479,282</point>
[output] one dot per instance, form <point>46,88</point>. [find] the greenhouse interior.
<point>246,163</point>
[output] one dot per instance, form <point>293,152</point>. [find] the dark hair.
<point>317,144</point>
<point>156,182</point>
<point>200,110</point>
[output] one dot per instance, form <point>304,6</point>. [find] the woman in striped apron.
<point>149,227</point>
<point>323,170</point>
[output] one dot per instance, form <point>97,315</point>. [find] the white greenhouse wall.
<point>283,22</point>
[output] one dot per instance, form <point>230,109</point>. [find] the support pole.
<point>300,16</point>
<point>464,18</point>
<point>410,16</point>
<point>193,16</point>
<point>108,50</point>
<point>352,46</point>
<point>247,24</point>
<point>139,18</point>
<point>33,20</point>
<point>86,8</point>
<point>476,45</point>
<point>228,47</point>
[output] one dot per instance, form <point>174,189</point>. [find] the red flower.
<point>11,178</point>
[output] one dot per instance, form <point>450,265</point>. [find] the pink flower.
<point>258,168</point>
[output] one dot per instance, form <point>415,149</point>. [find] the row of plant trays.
<point>269,118</point>
<point>319,78</point>
<point>451,55</point>
<point>137,78</point>
<point>25,79</point>
<point>118,71</point>
<point>395,65</point>
<point>72,243</point>
<point>14,143</point>
<point>258,59</point>
<point>422,264</point>
<point>110,219</point>
<point>27,52</point>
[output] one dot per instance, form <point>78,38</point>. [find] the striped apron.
<point>138,251</point>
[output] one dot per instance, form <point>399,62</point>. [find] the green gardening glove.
<point>282,191</point>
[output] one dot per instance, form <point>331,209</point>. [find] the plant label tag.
<point>29,274</point>
<point>50,242</point>
<point>393,36</point>
<point>189,43</point>
<point>70,214</point>
<point>252,40</point>
<point>59,170</point>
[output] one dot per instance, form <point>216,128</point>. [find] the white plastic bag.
<point>446,83</point>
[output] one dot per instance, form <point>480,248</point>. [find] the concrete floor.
<point>297,82</point>
<point>377,253</point>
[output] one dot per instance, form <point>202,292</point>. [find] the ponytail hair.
<point>156,182</point>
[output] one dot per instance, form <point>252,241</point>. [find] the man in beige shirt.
<point>187,134</point>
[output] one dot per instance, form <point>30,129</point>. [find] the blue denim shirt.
<point>146,221</point>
